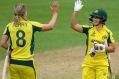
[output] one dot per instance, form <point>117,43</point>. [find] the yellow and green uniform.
<point>22,45</point>
<point>96,67</point>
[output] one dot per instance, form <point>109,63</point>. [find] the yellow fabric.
<point>94,35</point>
<point>96,72</point>
<point>22,72</point>
<point>22,38</point>
<point>96,67</point>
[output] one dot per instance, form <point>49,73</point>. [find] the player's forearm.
<point>52,22</point>
<point>3,41</point>
<point>74,19</point>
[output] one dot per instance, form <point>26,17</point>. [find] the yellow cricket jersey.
<point>94,35</point>
<point>22,38</point>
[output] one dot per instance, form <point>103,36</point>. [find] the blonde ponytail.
<point>16,20</point>
<point>19,11</point>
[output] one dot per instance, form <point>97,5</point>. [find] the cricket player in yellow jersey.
<point>21,34</point>
<point>95,65</point>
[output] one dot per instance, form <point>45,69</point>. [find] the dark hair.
<point>19,11</point>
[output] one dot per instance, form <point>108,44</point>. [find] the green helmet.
<point>100,13</point>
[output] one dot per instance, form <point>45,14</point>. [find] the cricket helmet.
<point>99,13</point>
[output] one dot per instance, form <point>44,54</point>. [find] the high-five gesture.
<point>78,5</point>
<point>98,49</point>
<point>51,24</point>
<point>76,26</point>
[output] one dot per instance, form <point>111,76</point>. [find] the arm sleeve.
<point>85,29</point>
<point>37,26</point>
<point>110,38</point>
<point>6,32</point>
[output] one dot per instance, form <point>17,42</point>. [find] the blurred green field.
<point>62,36</point>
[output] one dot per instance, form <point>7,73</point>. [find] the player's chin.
<point>95,24</point>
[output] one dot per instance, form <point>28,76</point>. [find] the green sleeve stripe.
<point>85,30</point>
<point>32,42</point>
<point>7,32</point>
<point>35,28</point>
<point>109,40</point>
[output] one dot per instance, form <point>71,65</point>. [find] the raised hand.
<point>78,5</point>
<point>55,7</point>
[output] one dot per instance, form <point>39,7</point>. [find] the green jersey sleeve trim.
<point>6,32</point>
<point>36,28</point>
<point>85,29</point>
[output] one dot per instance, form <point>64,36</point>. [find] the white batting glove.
<point>99,47</point>
<point>78,5</point>
<point>92,52</point>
